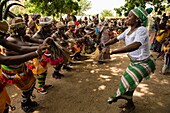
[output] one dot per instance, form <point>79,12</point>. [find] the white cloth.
<point>139,35</point>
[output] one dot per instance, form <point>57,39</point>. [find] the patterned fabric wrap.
<point>135,72</point>
<point>5,99</point>
<point>41,79</point>
<point>56,54</point>
<point>37,65</point>
<point>21,77</point>
<point>142,14</point>
<point>2,84</point>
<point>105,53</point>
<point>47,56</point>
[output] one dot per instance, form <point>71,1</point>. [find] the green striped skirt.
<point>135,72</point>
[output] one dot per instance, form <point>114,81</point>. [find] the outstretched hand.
<point>48,40</point>
<point>42,48</point>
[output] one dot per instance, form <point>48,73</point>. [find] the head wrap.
<point>142,14</point>
<point>60,24</point>
<point>71,23</point>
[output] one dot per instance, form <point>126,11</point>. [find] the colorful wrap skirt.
<point>21,77</point>
<point>134,74</point>
<point>4,99</point>
<point>38,66</point>
<point>55,62</point>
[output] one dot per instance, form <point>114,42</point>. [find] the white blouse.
<point>139,35</point>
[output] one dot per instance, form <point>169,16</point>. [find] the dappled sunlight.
<point>116,74</point>
<point>104,78</point>
<point>162,82</point>
<point>94,90</point>
<point>143,89</point>
<point>14,95</point>
<point>115,69</point>
<point>102,87</point>
<point>92,71</point>
<point>121,55</point>
<point>160,103</point>
<point>113,58</point>
<point>79,81</point>
<point>118,64</point>
<point>87,80</point>
<point>138,94</point>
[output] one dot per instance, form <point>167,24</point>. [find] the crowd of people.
<point>30,43</point>
<point>160,41</point>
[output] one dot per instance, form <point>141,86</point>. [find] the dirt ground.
<point>88,86</point>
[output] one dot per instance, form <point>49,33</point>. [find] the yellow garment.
<point>162,37</point>
<point>2,50</point>
<point>165,48</point>
<point>37,26</point>
<point>38,68</point>
<point>4,99</point>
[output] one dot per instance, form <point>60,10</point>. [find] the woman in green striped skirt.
<point>137,46</point>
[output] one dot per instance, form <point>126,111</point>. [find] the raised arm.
<point>33,40</point>
<point>17,48</point>
<point>132,47</point>
<point>18,59</point>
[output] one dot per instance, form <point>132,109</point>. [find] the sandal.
<point>128,110</point>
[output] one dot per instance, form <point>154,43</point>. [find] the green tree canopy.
<point>53,7</point>
<point>84,6</point>
<point>130,4</point>
<point>106,13</point>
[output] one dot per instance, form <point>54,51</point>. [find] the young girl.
<point>137,45</point>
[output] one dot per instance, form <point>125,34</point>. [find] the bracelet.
<point>37,53</point>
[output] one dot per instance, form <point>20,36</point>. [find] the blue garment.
<point>97,30</point>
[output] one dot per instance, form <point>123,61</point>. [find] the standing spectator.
<point>105,52</point>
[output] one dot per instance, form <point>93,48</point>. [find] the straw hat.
<point>4,26</point>
<point>71,23</point>
<point>60,24</point>
<point>16,21</point>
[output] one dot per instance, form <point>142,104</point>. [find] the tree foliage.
<point>84,6</point>
<point>130,4</point>
<point>106,13</point>
<point>53,7</point>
